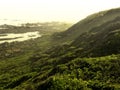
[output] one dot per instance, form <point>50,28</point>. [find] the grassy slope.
<point>61,67</point>
<point>50,73</point>
<point>87,24</point>
<point>14,57</point>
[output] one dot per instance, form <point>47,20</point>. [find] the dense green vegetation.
<point>14,56</point>
<point>84,57</point>
<point>43,73</point>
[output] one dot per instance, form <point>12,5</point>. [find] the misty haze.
<point>59,45</point>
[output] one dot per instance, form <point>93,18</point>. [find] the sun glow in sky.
<point>19,11</point>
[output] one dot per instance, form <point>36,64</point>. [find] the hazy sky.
<point>51,10</point>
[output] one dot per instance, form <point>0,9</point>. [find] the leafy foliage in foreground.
<point>95,73</point>
<point>100,73</point>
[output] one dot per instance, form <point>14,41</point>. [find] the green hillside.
<point>87,24</point>
<point>84,57</point>
<point>100,41</point>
